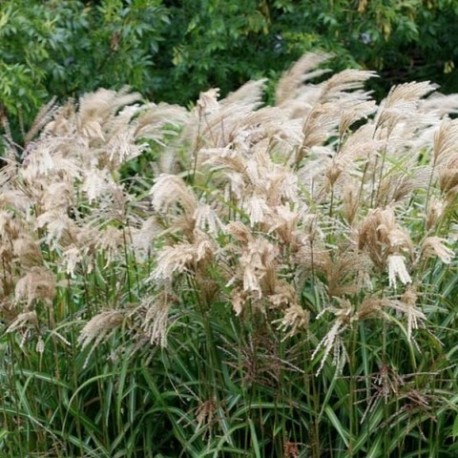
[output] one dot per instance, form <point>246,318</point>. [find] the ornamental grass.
<point>233,279</point>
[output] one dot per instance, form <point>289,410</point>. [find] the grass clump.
<point>275,281</point>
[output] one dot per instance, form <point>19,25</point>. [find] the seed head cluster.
<point>325,207</point>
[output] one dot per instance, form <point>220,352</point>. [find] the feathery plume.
<point>435,246</point>
<point>180,257</point>
<point>155,322</point>
<point>397,269</point>
<point>24,320</point>
<point>303,70</point>
<point>37,284</point>
<point>407,306</point>
<point>99,327</point>
<point>294,320</point>
<point>332,340</point>
<point>170,190</point>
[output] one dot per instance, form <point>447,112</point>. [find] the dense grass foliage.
<point>233,279</point>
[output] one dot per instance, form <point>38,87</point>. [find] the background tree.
<point>171,50</point>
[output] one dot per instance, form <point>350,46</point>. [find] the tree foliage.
<point>61,49</point>
<point>171,50</point>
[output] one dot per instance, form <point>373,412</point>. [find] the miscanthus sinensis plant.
<point>233,279</point>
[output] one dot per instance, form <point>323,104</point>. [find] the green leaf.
<point>455,427</point>
<point>343,433</point>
